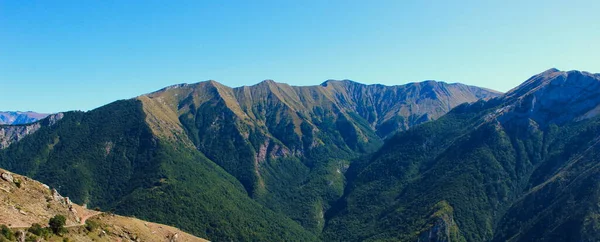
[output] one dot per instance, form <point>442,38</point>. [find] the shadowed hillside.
<point>520,167</point>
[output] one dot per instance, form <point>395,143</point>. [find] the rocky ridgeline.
<point>16,182</point>
<point>553,97</point>
<point>13,133</point>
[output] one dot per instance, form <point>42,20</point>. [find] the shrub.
<point>32,238</point>
<point>37,230</point>
<point>91,225</point>
<point>57,224</point>
<point>7,233</point>
<point>18,183</point>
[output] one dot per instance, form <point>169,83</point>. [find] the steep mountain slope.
<point>109,158</point>
<point>26,202</point>
<point>520,167</point>
<point>288,145</point>
<point>20,117</point>
<point>263,162</point>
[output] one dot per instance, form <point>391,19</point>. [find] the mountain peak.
<point>265,82</point>
<point>551,76</point>
<point>551,70</point>
<point>555,96</point>
<point>340,82</point>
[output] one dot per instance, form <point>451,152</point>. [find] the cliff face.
<point>554,97</point>
<point>442,227</point>
<point>13,133</point>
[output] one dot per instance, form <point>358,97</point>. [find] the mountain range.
<point>17,117</point>
<point>340,161</point>
<point>519,167</point>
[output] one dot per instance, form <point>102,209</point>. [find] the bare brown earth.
<point>24,201</point>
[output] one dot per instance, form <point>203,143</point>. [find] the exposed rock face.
<point>444,228</point>
<point>7,177</point>
<point>554,97</point>
<point>10,134</point>
<point>14,118</point>
<point>13,133</point>
<point>440,232</point>
<point>392,108</point>
<point>62,200</point>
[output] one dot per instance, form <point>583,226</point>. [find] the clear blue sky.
<point>78,55</point>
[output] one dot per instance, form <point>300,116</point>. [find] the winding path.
<point>82,220</point>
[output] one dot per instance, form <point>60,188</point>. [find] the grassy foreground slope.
<point>25,202</point>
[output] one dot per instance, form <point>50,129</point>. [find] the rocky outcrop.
<point>7,177</point>
<point>443,228</point>
<point>13,133</point>
<point>62,200</point>
<point>440,231</point>
<point>553,97</point>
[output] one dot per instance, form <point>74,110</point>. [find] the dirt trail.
<point>83,214</point>
<point>83,219</point>
<point>86,214</point>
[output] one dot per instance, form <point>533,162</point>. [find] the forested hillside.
<point>521,167</point>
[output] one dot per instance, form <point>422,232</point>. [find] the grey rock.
<point>553,97</point>
<point>13,133</point>
<point>440,231</point>
<point>7,177</point>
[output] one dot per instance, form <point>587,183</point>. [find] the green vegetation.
<point>18,183</point>
<point>91,225</point>
<point>6,233</point>
<point>198,196</point>
<point>57,224</point>
<point>109,158</point>
<point>497,181</point>
<point>273,166</point>
<point>37,230</point>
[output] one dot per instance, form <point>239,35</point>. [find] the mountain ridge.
<point>285,157</point>
<point>18,117</point>
<point>507,168</point>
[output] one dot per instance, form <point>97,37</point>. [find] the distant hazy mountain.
<point>13,133</point>
<point>263,162</point>
<point>20,117</point>
<point>520,167</point>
